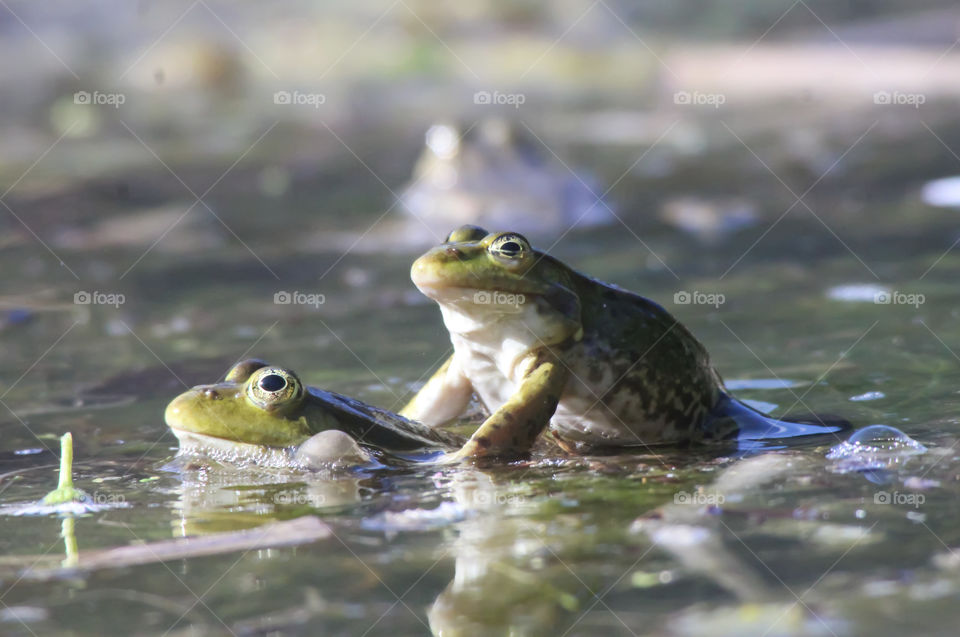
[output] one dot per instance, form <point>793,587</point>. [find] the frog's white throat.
<point>501,330</point>
<point>220,449</point>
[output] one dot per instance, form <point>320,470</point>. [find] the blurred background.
<point>209,147</point>
<point>183,184</point>
<point>173,152</point>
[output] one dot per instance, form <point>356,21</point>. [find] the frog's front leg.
<point>444,397</point>
<point>513,428</point>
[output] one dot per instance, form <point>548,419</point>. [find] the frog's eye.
<point>510,246</point>
<point>240,372</point>
<point>273,387</point>
<point>466,233</point>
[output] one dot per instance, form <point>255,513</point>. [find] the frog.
<point>264,414</point>
<point>489,172</point>
<point>495,171</point>
<point>546,348</point>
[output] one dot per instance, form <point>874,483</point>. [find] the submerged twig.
<point>290,533</point>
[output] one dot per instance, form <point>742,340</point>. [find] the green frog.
<point>264,414</point>
<point>546,347</point>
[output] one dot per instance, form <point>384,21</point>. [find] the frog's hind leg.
<point>734,420</point>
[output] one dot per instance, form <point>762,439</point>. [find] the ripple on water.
<point>82,507</point>
<point>761,383</point>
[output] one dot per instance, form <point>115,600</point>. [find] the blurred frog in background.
<point>497,174</point>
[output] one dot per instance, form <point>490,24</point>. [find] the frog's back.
<point>638,375</point>
<point>378,428</point>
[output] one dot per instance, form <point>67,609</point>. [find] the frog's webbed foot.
<point>752,430</point>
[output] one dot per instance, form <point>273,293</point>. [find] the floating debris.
<point>303,530</point>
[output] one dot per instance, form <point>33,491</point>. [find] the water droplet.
<point>873,448</point>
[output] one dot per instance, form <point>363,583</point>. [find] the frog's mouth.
<point>431,276</point>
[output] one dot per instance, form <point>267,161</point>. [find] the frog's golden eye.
<point>466,233</point>
<point>510,245</point>
<point>240,372</point>
<point>273,387</point>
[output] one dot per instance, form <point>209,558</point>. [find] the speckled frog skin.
<point>543,345</point>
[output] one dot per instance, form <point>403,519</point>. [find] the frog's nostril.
<point>212,394</point>
<point>452,252</point>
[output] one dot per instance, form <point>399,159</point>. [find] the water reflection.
<point>518,566</point>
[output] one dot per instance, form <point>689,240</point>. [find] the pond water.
<point>120,291</point>
<point>675,542</point>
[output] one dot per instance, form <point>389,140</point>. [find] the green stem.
<point>66,461</point>
<point>65,491</point>
<point>68,533</point>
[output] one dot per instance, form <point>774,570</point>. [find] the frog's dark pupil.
<point>510,247</point>
<point>272,382</point>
